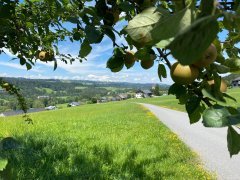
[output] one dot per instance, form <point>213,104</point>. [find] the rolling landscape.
<point>112,140</point>
<point>116,140</point>
<point>43,93</point>
<point>119,90</point>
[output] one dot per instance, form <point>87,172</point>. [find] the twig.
<point>164,56</point>
<point>207,102</point>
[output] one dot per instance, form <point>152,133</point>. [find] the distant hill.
<point>85,83</point>
<point>40,93</point>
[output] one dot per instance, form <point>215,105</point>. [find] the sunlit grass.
<point>171,102</point>
<point>103,141</point>
<point>168,101</point>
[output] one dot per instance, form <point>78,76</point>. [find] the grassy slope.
<point>163,101</point>
<point>172,103</point>
<point>235,92</point>
<point>103,141</point>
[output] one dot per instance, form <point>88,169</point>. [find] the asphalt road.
<point>209,143</point>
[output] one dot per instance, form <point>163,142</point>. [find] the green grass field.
<point>168,101</point>
<point>171,102</point>
<point>101,141</point>
<point>235,92</point>
<point>48,90</point>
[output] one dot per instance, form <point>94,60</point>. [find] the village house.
<point>2,115</point>
<point>143,93</point>
<point>103,99</point>
<point>114,99</point>
<point>122,96</point>
<point>73,104</point>
<point>43,97</point>
<point>50,108</point>
<point>236,82</point>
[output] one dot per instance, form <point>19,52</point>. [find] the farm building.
<point>73,104</point>
<point>43,97</point>
<point>122,96</point>
<point>103,99</point>
<point>2,115</point>
<point>50,108</point>
<point>143,93</point>
<point>236,82</point>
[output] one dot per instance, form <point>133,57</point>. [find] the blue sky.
<point>92,69</point>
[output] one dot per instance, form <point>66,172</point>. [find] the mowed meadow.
<point>120,140</point>
<point>171,102</point>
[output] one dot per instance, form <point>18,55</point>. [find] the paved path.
<point>209,143</point>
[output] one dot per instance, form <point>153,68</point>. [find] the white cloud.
<point>98,78</point>
<point>12,65</point>
<point>9,53</point>
<point>3,74</point>
<point>17,66</point>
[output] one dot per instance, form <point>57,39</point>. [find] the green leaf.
<point>169,26</point>
<point>229,97</point>
<point>55,64</point>
<point>22,61</point>
<point>183,99</point>
<point>28,65</point>
<point>110,34</point>
<point>179,5</point>
<point>93,34</point>
<point>177,89</point>
<point>207,93</point>
<point>189,45</point>
<point>164,43</point>
<point>56,50</point>
<point>140,26</point>
<point>85,49</point>
<point>220,116</point>
<point>126,6</point>
<point>162,71</point>
<point>216,116</point>
<point>195,116</point>
<point>234,119</point>
<point>73,20</point>
<point>194,109</point>
<point>216,86</point>
<point>3,164</point>
<point>221,69</point>
<point>207,7</point>
<point>144,53</point>
<point>234,65</point>
<point>29,25</point>
<point>233,110</point>
<point>233,139</point>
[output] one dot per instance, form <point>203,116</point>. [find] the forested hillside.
<point>41,92</point>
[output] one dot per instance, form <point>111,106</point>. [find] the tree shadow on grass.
<point>47,158</point>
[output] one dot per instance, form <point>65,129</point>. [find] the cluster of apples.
<point>185,75</point>
<point>145,63</point>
